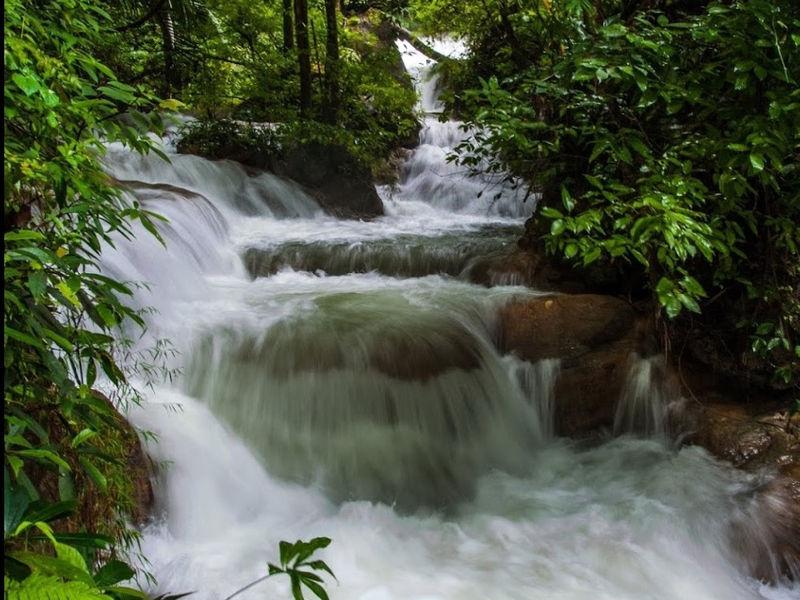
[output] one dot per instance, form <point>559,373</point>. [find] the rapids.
<point>339,379</point>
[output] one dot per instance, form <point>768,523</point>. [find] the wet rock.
<point>588,388</point>
<point>762,438</point>
<point>519,267</point>
<point>595,337</point>
<point>765,533</point>
<point>421,352</point>
<point>411,358</point>
<point>750,436</point>
<point>388,171</point>
<point>329,173</point>
<point>341,185</point>
<point>564,326</point>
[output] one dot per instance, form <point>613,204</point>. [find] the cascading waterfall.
<point>368,404</point>
<point>642,408</point>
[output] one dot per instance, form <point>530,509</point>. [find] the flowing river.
<point>340,379</point>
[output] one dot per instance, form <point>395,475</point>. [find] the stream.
<point>340,379</point>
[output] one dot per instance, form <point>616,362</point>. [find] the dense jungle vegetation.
<point>661,136</point>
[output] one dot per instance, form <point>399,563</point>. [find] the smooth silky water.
<point>339,379</point>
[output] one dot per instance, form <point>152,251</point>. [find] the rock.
<point>96,510</point>
<point>341,185</point>
<point>750,436</point>
<point>594,336</point>
<point>415,358</point>
<point>329,173</point>
<point>388,171</point>
<point>759,437</point>
<point>563,326</point>
<point>521,267</point>
<point>417,352</point>
<point>138,466</point>
<point>588,388</point>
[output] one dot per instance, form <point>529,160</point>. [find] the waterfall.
<point>429,177</point>
<point>339,379</point>
<point>537,382</point>
<point>642,408</point>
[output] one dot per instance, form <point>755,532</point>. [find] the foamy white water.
<point>372,407</point>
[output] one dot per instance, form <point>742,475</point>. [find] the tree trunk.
<point>168,43</point>
<point>331,61</point>
<point>303,54</point>
<point>288,33</point>
<point>508,29</point>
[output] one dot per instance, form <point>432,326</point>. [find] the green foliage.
<point>298,563</point>
<point>43,587</point>
<point>225,138</point>
<point>242,71</point>
<point>295,562</point>
<point>67,487</point>
<point>65,444</point>
<point>664,143</point>
<point>36,574</point>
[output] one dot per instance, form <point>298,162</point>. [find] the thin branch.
<point>248,586</point>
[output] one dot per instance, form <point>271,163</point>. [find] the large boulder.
<point>333,177</point>
<point>341,184</point>
<point>594,336</point>
<point>564,326</point>
<point>762,438</point>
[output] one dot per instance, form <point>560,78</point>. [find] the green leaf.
<point>757,161</point>
<point>115,93</point>
<point>48,565</point>
<point>66,487</point>
<point>82,436</point>
<point>37,283</point>
<point>665,285</point>
<point>70,555</point>
<point>689,302</point>
<point>53,511</point>
<point>27,83</point>
<point>692,286</point>
<point>125,593</point>
<point>316,588</point>
<point>592,255</point>
<point>15,503</point>
<point>566,199</point>
<point>59,339</point>
<point>85,540</point>
<point>551,213</point>
<point>48,587</point>
<point>22,337</point>
<point>43,455</point>
<point>297,590</point>
<point>320,565</point>
<point>113,572</point>
<point>68,293</point>
<point>93,472</point>
<point>23,235</point>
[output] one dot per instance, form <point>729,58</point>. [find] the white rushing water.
<point>352,390</point>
